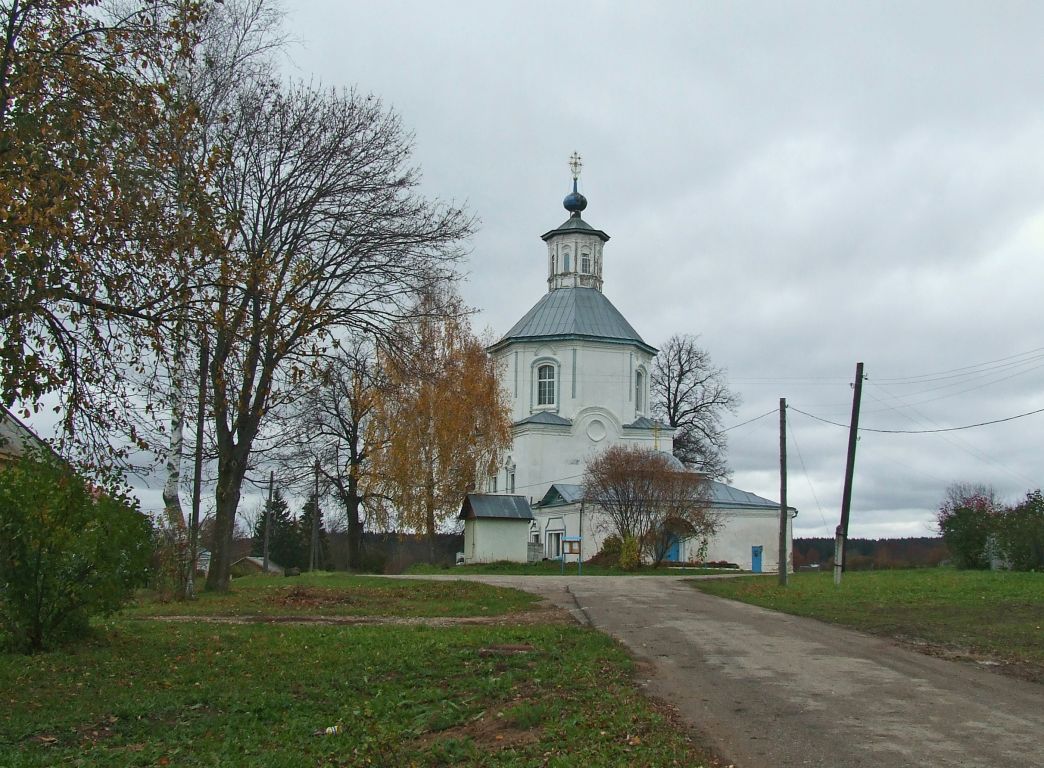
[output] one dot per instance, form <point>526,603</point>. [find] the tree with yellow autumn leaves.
<point>440,422</point>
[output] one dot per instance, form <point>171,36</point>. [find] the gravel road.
<point>767,689</point>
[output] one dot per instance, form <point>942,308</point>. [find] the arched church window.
<point>585,263</point>
<point>546,385</point>
<point>566,263</point>
<point>639,392</point>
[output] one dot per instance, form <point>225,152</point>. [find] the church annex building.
<point>576,374</point>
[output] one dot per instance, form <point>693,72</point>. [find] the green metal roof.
<point>544,417</point>
<point>495,506</point>
<point>720,496</point>
<point>575,313</point>
<point>575,224</point>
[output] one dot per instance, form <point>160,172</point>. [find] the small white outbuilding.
<point>495,528</point>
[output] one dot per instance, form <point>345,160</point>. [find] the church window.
<point>510,480</point>
<point>639,392</point>
<point>566,263</point>
<point>585,263</point>
<point>546,385</point>
<point>492,484</point>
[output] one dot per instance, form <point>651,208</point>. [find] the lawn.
<point>151,692</point>
<point>340,594</point>
<point>554,568</point>
<point>988,615</point>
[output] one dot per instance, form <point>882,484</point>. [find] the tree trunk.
<point>351,511</point>
<point>171,488</point>
<point>231,470</point>
<point>429,502</point>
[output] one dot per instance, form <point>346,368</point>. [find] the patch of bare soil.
<point>542,616</point>
<point>488,732</point>
<point>1020,670</point>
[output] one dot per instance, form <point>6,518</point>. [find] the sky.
<point>805,185</point>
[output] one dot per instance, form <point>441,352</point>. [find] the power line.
<point>953,372</point>
<point>920,431</point>
<point>808,478</point>
<point>751,421</point>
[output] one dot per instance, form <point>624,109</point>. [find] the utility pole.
<point>846,500</point>
<point>197,472</point>
<point>783,574</point>
<point>268,520</point>
<point>313,555</point>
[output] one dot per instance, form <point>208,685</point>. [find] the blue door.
<point>673,551</point>
<point>755,559</point>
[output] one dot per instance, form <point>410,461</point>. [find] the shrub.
<point>609,554</point>
<point>966,522</point>
<point>611,546</point>
<point>630,554</point>
<point>67,552</point>
<point>1020,534</point>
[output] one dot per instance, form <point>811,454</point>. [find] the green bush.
<point>67,552</point>
<point>966,530</point>
<point>1020,534</point>
<point>630,554</point>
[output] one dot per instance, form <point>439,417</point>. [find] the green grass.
<point>150,692</point>
<point>998,615</point>
<point>340,594</point>
<point>554,568</point>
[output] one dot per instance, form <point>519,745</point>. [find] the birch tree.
<point>441,421</point>
<point>233,46</point>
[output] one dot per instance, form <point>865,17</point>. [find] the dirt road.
<point>774,690</point>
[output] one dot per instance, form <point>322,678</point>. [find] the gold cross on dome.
<point>575,165</point>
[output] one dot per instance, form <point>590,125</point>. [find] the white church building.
<point>577,378</point>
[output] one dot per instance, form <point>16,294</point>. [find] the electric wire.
<point>751,421</point>
<point>919,431</point>
<point>808,478</point>
<point>956,372</point>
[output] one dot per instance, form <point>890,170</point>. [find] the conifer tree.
<point>284,545</point>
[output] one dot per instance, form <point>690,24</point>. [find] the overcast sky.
<point>804,185</point>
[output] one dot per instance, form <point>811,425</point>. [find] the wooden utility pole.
<point>783,574</point>
<point>846,500</point>
<point>268,521</point>
<point>313,555</point>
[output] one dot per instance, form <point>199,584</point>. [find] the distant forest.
<point>868,554</point>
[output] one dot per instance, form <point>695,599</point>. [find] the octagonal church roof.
<point>574,313</point>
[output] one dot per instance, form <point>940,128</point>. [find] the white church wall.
<point>607,379</point>
<point>566,520</point>
<point>600,403</point>
<point>742,530</point>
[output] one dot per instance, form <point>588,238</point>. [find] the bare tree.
<point>327,237</point>
<point>234,43</point>
<point>645,495</point>
<point>334,424</point>
<point>692,395</point>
